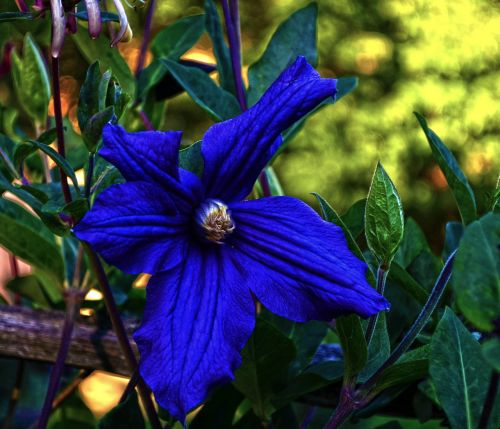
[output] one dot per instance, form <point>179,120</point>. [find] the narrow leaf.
<point>352,339</point>
<point>454,176</point>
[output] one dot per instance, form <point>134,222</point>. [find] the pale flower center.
<point>214,221</point>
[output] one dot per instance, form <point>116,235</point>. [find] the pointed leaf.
<point>285,46</point>
<point>384,224</point>
<point>458,371</point>
<point>379,349</point>
<point>454,176</point>
<point>352,339</point>
<point>178,37</point>
<point>220,104</point>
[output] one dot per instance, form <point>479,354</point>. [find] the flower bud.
<point>58,27</point>
<point>123,22</point>
<point>94,15</point>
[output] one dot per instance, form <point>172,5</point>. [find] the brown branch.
<point>35,334</point>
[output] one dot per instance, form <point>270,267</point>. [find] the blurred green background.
<point>439,58</point>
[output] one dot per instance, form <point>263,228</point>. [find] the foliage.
<point>442,374</point>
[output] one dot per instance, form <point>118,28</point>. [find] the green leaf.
<point>220,104</point>
<point>458,371</point>
<point>352,339</point>
<point>379,349</point>
<point>476,273</point>
<point>31,81</point>
<point>17,16</point>
<point>399,275</point>
<point>330,215</point>
<point>26,237</point>
<point>221,51</point>
<point>178,37</point>
<point>453,234</point>
<point>384,224</point>
<point>109,58</point>
<point>266,357</point>
<point>307,337</point>
<point>345,85</point>
<point>402,373</point>
<point>274,183</point>
<point>413,243</point>
<point>105,16</point>
<point>125,415</point>
<point>354,218</point>
<point>92,132</point>
<point>72,413</point>
<point>491,353</point>
<point>285,46</point>
<point>59,160</point>
<point>90,95</point>
<point>454,176</point>
<point>191,159</point>
<point>30,288</point>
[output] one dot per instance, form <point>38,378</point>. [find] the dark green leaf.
<point>17,16</point>
<point>476,273</point>
<point>274,183</point>
<point>48,137</point>
<point>221,51</point>
<point>399,275</point>
<point>88,103</point>
<point>92,132</point>
<point>178,37</point>
<point>413,243</point>
<point>26,237</point>
<point>108,57</point>
<point>454,176</point>
<point>379,349</point>
<point>384,224</point>
<point>59,160</point>
<point>31,80</point>
<point>352,339</point>
<point>345,85</point>
<point>30,288</point>
<point>285,46</point>
<point>220,104</point>
<point>105,16</point>
<point>307,337</point>
<point>125,415</point>
<point>266,358</point>
<point>330,215</point>
<point>72,413</point>
<point>402,373</point>
<point>354,218</point>
<point>453,234</point>
<point>7,168</point>
<point>458,371</point>
<point>149,77</point>
<point>491,352</point>
<point>191,159</point>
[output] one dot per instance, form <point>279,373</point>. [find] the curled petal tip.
<point>124,27</point>
<point>94,15</point>
<point>58,27</point>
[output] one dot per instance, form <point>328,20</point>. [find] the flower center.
<point>214,221</point>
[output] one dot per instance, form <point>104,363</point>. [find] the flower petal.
<point>136,227</point>
<point>235,151</point>
<point>150,156</point>
<point>197,318</point>
<point>301,266</point>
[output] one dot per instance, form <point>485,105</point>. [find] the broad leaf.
<point>459,372</point>
<point>384,224</point>
<point>402,373</point>
<point>220,104</point>
<point>266,357</point>
<point>26,237</point>
<point>191,159</point>
<point>476,274</point>
<point>454,176</point>
<point>354,218</point>
<point>178,37</point>
<point>285,46</point>
<point>413,243</point>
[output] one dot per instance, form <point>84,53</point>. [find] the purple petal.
<point>150,156</point>
<point>94,15</point>
<point>198,317</point>
<point>136,227</point>
<point>300,266</point>
<point>235,151</point>
<point>58,27</point>
<point>122,16</point>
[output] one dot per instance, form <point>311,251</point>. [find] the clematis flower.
<point>209,251</point>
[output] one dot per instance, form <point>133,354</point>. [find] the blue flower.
<point>210,251</point>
